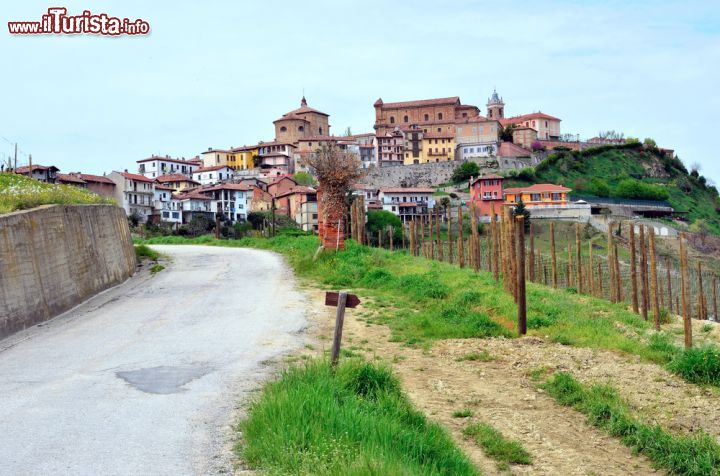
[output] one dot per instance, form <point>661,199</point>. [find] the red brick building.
<point>486,191</point>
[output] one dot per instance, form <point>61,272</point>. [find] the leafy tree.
<point>256,161</point>
<point>445,202</point>
<point>506,134</point>
<point>464,171</point>
<point>199,225</point>
<point>632,140</point>
<point>382,220</point>
<point>631,188</point>
<point>304,178</point>
<point>348,131</point>
<point>650,143</point>
<point>521,209</point>
<point>599,187</point>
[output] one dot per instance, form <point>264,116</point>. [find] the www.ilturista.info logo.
<point>58,22</point>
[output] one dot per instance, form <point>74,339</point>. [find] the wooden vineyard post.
<point>611,265</point>
<point>391,232</point>
<point>569,267</point>
<point>531,264</point>
<point>715,302</point>
<point>520,272</point>
<point>439,236</point>
<point>412,237</point>
<point>654,282</point>
<point>495,245</point>
<point>545,273</point>
<point>402,229</point>
<point>669,286</point>
<point>217,228</point>
<point>600,281</point>
<point>578,255</point>
<point>380,239</point>
<point>511,252</point>
<point>475,240</point>
<point>591,270</point>
<point>461,250</point>
<point>553,257</point>
<point>687,324</point>
<point>633,270</point>
<point>643,274</point>
<point>618,275</point>
<point>448,212</point>
<point>700,293</point>
<point>431,232</point>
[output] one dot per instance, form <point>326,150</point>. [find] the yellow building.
<point>242,158</point>
<point>213,157</point>
<point>538,195</point>
<point>425,147</point>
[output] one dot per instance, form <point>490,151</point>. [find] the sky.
<point>217,73</point>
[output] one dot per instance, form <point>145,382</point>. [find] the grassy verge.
<point>144,251</point>
<point>496,446</point>
<point>685,455</point>
<point>422,300</point>
<point>355,421</point>
<point>18,192</point>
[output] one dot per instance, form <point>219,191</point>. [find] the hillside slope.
<point>630,171</point>
<point>18,192</point>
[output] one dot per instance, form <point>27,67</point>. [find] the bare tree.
<point>695,167</point>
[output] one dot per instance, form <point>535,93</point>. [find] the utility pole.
<point>273,216</point>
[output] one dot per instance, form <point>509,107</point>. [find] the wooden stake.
<point>643,273</point>
<point>448,211</point>
<point>654,281</point>
<point>553,257</point>
<point>701,293</point>
<point>578,256</point>
<point>687,324</point>
<point>633,269</point>
<point>495,244</point>
<point>531,263</point>
<point>669,286</point>
<point>591,269</point>
<point>618,275</point>
<point>715,301</point>
<point>520,257</point>
<point>611,265</point>
<point>461,249</point>
<point>439,236</point>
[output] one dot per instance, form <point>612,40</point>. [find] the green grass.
<point>464,413</point>
<point>144,251</point>
<point>156,268</point>
<point>423,301</point>
<point>18,192</point>
<point>496,446</point>
<point>483,356</point>
<point>356,421</point>
<point>698,454</point>
<point>699,365</point>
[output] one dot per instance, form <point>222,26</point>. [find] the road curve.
<point>144,378</point>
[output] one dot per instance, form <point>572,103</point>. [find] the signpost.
<point>341,300</point>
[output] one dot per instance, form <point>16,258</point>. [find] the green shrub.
<point>699,365</point>
<point>144,251</point>
<point>635,189</point>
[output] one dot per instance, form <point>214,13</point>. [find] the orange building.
<point>538,195</point>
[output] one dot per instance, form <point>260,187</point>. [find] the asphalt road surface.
<point>146,377</point>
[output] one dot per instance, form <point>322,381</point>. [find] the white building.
<point>407,203</point>
<point>193,204</point>
<point>156,166</point>
<point>212,175</point>
<point>232,199</point>
<point>135,193</point>
<point>214,157</point>
<point>476,150</point>
<point>166,206</point>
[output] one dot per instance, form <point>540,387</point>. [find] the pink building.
<point>485,191</point>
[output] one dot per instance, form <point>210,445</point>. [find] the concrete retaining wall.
<point>54,257</point>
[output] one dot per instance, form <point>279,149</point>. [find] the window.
<point>320,130</point>
<point>439,129</point>
<point>440,116</point>
<point>464,114</point>
<point>392,119</point>
<point>545,123</point>
<point>427,117</point>
<point>175,214</point>
<point>534,197</point>
<point>166,214</point>
<point>405,118</point>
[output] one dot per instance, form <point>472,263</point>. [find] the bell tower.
<point>495,107</point>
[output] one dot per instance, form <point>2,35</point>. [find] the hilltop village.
<point>409,158</point>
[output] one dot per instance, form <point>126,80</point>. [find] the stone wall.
<point>429,175</point>
<point>54,257</point>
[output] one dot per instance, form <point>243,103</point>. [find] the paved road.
<point>145,378</point>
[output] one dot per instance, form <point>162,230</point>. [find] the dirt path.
<point>499,392</point>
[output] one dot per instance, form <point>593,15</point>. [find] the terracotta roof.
<point>96,178</point>
<point>407,190</point>
<point>487,177</point>
<point>211,150</point>
<point>297,189</point>
<point>26,168</point>
<point>159,186</point>
<point>438,135</point>
<point>229,186</point>
<point>69,178</point>
<point>525,117</point>
<point>244,148</point>
<point>267,144</point>
<point>280,179</point>
<point>136,177</point>
<point>174,178</point>
<point>508,149</point>
<point>210,169</point>
<point>537,188</point>
<point>193,195</point>
<point>423,102</point>
<point>166,159</point>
